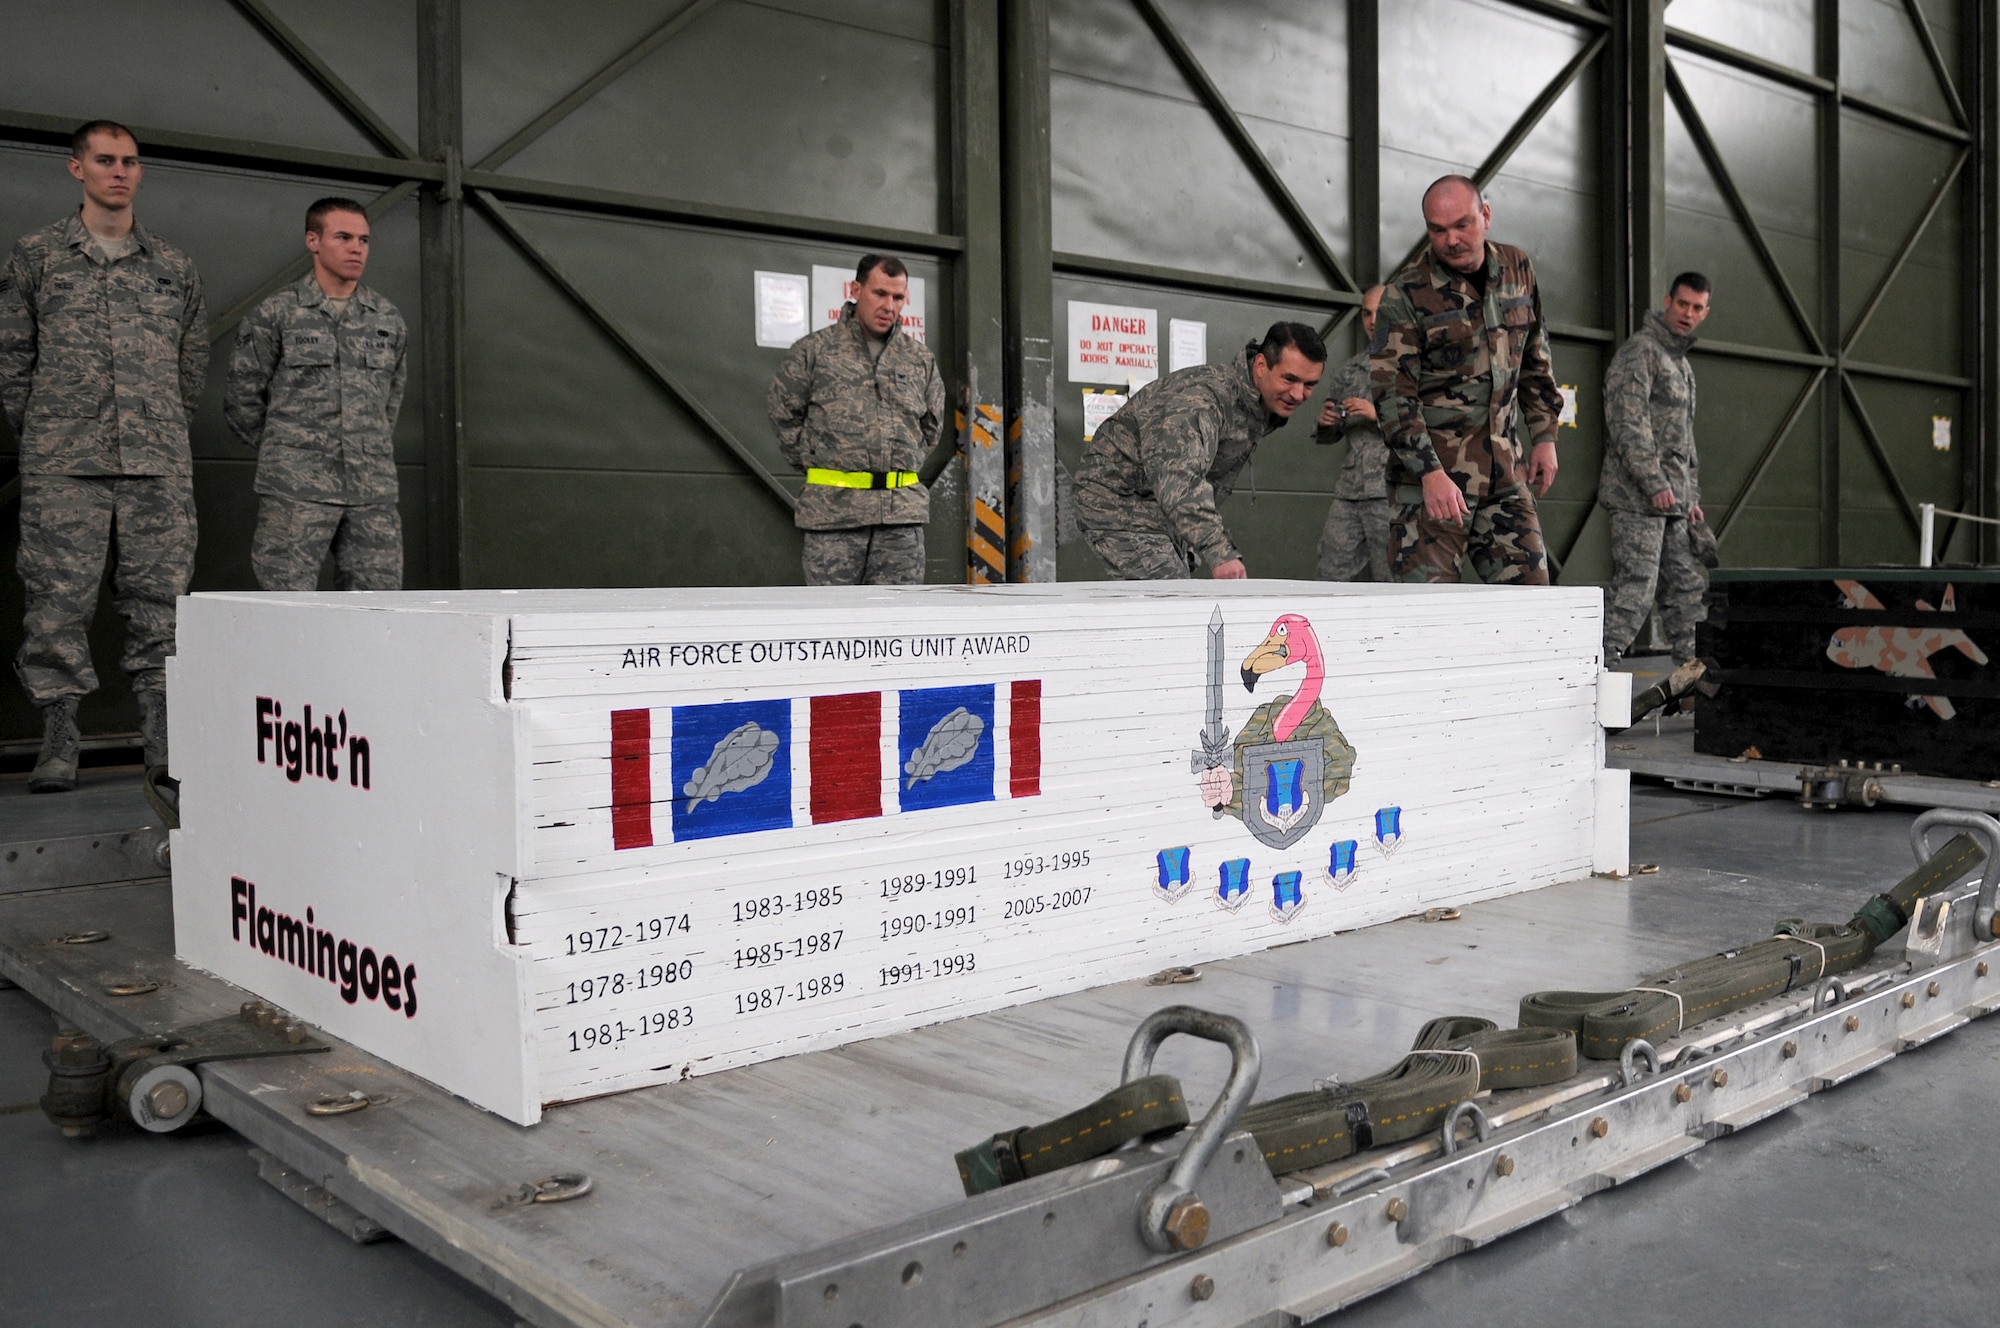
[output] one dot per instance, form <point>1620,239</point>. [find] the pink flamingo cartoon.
<point>1901,652</point>
<point>1301,716</point>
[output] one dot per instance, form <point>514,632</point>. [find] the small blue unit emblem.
<point>1283,781</point>
<point>1235,886</point>
<point>1173,882</point>
<point>1288,895</point>
<point>1340,863</point>
<point>1388,829</point>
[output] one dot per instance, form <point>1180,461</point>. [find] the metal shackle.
<point>1987,831</point>
<point>1172,1218</point>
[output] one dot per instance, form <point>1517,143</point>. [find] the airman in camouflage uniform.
<point>315,385</point>
<point>1459,347</point>
<point>1356,538</point>
<point>856,406</point>
<point>1155,473</point>
<point>103,351</point>
<point>1650,481</point>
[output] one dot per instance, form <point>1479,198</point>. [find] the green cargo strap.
<point>862,479</point>
<point>1141,1109</point>
<point>1452,1058</point>
<point>1664,1003</point>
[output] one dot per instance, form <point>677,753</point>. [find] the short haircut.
<point>316,214</point>
<point>79,142</point>
<point>891,266</point>
<point>1694,281</point>
<point>1463,181</point>
<point>1297,336</point>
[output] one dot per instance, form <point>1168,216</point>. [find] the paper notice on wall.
<point>1568,415</point>
<point>782,298</point>
<point>1099,405</point>
<point>1187,344</point>
<point>1113,343</point>
<point>1941,432</point>
<point>833,287</point>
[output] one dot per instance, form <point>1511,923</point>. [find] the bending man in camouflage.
<point>1356,538</point>
<point>1153,476</point>
<point>1459,345</point>
<point>314,387</point>
<point>103,349</point>
<point>1651,479</point>
<point>856,406</point>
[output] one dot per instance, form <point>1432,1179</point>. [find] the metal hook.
<point>1628,1060</point>
<point>1448,1132</point>
<point>1987,831</point>
<point>1832,986</point>
<point>1173,1218</point>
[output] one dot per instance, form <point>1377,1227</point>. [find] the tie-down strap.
<point>1145,1108</point>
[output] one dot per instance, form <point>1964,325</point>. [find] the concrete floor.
<point>1868,1204</point>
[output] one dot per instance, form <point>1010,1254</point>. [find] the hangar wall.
<point>570,202</point>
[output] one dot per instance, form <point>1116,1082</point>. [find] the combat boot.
<point>55,771</point>
<point>153,727</point>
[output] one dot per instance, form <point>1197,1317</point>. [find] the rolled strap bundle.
<point>1145,1108</point>
<point>1452,1058</point>
<point>1662,1004</point>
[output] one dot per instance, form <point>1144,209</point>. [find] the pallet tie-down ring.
<point>1987,831</point>
<point>1173,1218</point>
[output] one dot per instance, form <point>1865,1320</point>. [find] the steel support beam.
<point>1027,194</point>
<point>1226,119</point>
<point>441,275</point>
<point>344,98</point>
<point>1642,67</point>
<point>1978,469</point>
<point>981,380</point>
<point>1364,129</point>
<point>1826,21</point>
<point>1765,457</point>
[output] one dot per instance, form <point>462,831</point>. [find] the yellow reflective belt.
<point>862,479</point>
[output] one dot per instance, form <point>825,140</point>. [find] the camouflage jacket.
<point>317,395</point>
<point>837,407</point>
<point>101,364</point>
<point>1167,460</point>
<point>1449,370</point>
<point>1649,412</point>
<point>1362,474</point>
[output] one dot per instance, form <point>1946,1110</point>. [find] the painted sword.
<point>1214,752</point>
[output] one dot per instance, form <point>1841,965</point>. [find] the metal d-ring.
<point>1448,1132</point>
<point>1628,1060</point>
<point>1829,986</point>
<point>1987,831</point>
<point>1173,1218</point>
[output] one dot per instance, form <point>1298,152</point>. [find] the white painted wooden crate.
<point>542,845</point>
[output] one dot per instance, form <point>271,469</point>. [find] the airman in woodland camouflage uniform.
<point>103,349</point>
<point>1154,474</point>
<point>1356,538</point>
<point>1651,480</point>
<point>856,406</point>
<point>315,386</point>
<point>1459,345</point>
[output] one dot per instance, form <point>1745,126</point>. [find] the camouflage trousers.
<point>293,537</point>
<point>1502,537</point>
<point>70,526</point>
<point>1135,555</point>
<point>1356,540</point>
<point>1652,555</point>
<point>864,556</point>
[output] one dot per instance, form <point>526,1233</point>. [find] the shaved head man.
<point>1459,346</point>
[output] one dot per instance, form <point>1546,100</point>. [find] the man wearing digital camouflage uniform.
<point>1356,537</point>
<point>856,405</point>
<point>314,386</point>
<point>1459,345</point>
<point>103,352</point>
<point>1650,480</point>
<point>1154,474</point>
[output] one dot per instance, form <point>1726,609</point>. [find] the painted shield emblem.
<point>1235,885</point>
<point>1340,863</point>
<point>1173,881</point>
<point>1284,790</point>
<point>1288,895</point>
<point>1388,829</point>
